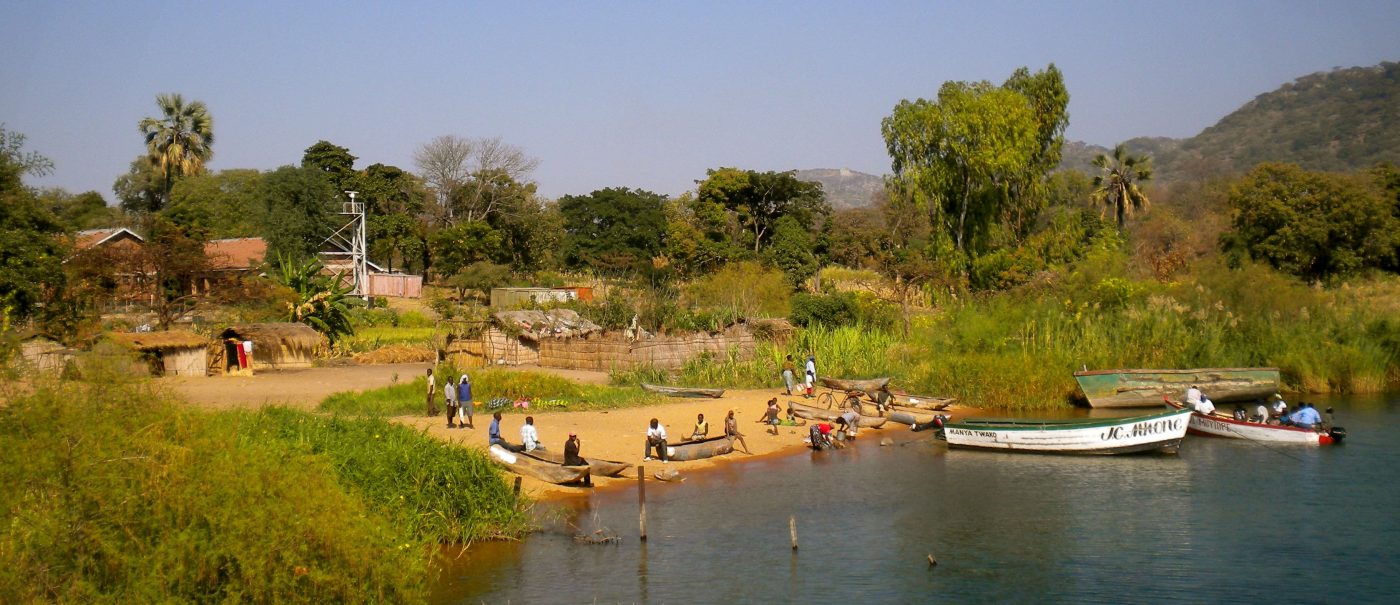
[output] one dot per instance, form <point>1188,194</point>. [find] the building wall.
<point>393,284</point>
<point>186,362</point>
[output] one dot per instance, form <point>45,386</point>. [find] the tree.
<point>300,203</point>
<point>499,176</point>
<point>961,158</point>
<point>31,251</point>
<point>444,165</point>
<point>1049,101</point>
<point>455,247</point>
<point>700,235</point>
<point>1117,185</point>
<point>612,229</point>
<point>479,277</point>
<point>219,205</point>
<point>85,210</point>
<point>791,251</point>
<point>323,302</point>
<point>180,141</point>
<point>759,199</point>
<point>176,260</point>
<point>335,161</point>
<point>1314,225</point>
<point>141,189</point>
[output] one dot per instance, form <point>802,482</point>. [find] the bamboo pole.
<point>642,499</point>
<point>792,529</point>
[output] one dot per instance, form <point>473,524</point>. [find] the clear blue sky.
<point>645,94</point>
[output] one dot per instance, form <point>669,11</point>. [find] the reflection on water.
<point>1225,520</point>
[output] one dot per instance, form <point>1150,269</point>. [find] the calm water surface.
<point>1225,521</point>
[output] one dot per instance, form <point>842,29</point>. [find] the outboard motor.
<point>1337,434</point>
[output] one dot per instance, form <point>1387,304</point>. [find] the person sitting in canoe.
<point>731,429</point>
<point>1239,413</point>
<point>1193,397</point>
<point>571,457</point>
<point>656,439</point>
<point>701,430</point>
<point>1306,417</point>
<point>1280,409</point>
<point>1261,413</point>
<point>1205,406</point>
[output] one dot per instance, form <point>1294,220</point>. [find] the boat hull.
<point>697,450</point>
<point>1160,433</point>
<point>548,472</point>
<point>815,413</point>
<point>1146,388</point>
<point>923,403</point>
<point>864,386</point>
<point>597,467</point>
<point>1229,428</point>
<point>683,391</point>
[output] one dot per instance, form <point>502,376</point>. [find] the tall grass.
<point>544,392</point>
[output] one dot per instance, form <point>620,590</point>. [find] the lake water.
<point>1224,521</point>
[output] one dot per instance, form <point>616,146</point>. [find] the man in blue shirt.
<point>1306,417</point>
<point>493,434</point>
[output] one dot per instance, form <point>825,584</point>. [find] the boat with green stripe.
<point>1161,432</point>
<point>1145,388</point>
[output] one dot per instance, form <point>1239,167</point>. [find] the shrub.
<point>836,309</point>
<point>747,287</point>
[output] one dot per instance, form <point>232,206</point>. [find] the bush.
<point>837,309</point>
<point>747,287</point>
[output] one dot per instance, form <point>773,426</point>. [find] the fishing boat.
<point>596,466</point>
<point>548,472</point>
<point>1218,425</point>
<point>1161,432</point>
<point>864,386</point>
<point>1146,388</point>
<point>921,402</point>
<point>815,413</point>
<point>704,448</point>
<point>683,391</point>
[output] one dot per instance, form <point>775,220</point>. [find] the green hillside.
<point>1344,119</point>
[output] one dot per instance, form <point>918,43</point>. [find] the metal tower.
<point>349,243</point>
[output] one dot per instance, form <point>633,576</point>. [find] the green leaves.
<point>322,301</point>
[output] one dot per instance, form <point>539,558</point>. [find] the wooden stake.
<point>517,486</point>
<point>642,499</point>
<point>792,528</point>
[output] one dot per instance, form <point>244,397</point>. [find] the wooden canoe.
<point>683,391</point>
<point>704,448</point>
<point>1161,432</point>
<point>1146,388</point>
<point>901,414</point>
<point>921,402</point>
<point>548,472</point>
<point>815,413</point>
<point>596,466</point>
<point>864,386</point>
<point>1218,425</point>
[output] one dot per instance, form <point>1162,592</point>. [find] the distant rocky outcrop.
<point>845,188</point>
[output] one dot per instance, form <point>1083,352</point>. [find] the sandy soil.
<point>612,434</point>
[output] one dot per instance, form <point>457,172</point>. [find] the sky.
<point>632,94</point>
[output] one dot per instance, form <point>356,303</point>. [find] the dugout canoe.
<point>864,386</point>
<point>1219,425</point>
<point>1161,432</point>
<point>921,402</point>
<point>697,450</point>
<point>548,472</point>
<point>815,413</point>
<point>1146,388</point>
<point>683,391</point>
<point>900,413</point>
<point>596,466</point>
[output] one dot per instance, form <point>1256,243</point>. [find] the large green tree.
<point>456,247</point>
<point>963,157</point>
<point>613,229</point>
<point>759,199</point>
<point>300,204</point>
<point>219,205</point>
<point>1312,224</point>
<point>335,161</point>
<point>1118,184</point>
<point>141,190</point>
<point>85,210</point>
<point>31,249</point>
<point>180,141</point>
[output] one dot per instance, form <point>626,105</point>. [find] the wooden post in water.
<point>517,486</point>
<point>792,528</point>
<point>642,499</point>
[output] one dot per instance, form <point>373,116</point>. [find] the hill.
<point>845,188</point>
<point>1345,119</point>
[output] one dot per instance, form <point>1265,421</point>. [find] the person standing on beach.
<point>529,437</point>
<point>432,390</point>
<point>465,407</point>
<point>811,375</point>
<point>789,374</point>
<point>731,430</point>
<point>449,397</point>
<point>656,439</point>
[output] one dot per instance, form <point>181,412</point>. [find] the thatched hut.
<point>276,346</point>
<point>43,354</point>
<point>170,352</point>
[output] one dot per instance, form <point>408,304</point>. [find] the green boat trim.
<point>1033,424</point>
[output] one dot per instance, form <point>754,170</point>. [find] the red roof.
<point>93,237</point>
<point>235,254</point>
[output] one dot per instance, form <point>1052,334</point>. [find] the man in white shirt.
<point>1205,406</point>
<point>656,439</point>
<point>1193,397</point>
<point>528,436</point>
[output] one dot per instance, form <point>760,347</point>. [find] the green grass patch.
<point>369,338</point>
<point>545,392</point>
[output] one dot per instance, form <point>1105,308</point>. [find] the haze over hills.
<point>1345,119</point>
<point>845,188</point>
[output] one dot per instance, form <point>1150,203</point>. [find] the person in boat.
<point>1240,414</point>
<point>811,375</point>
<point>656,439</point>
<point>1193,398</point>
<point>1306,417</point>
<point>465,408</point>
<point>1329,421</point>
<point>571,457</point>
<point>1261,413</point>
<point>529,436</point>
<point>731,429</point>
<point>449,397</point>
<point>789,374</point>
<point>1280,408</point>
<point>701,430</point>
<point>1205,406</point>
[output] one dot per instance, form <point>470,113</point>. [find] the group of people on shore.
<point>1305,417</point>
<point>809,376</point>
<point>457,395</point>
<point>657,446</point>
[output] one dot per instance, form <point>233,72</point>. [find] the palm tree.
<point>1117,186</point>
<point>181,141</point>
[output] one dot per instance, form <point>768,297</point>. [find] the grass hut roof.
<point>270,336</point>
<point>154,341</point>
